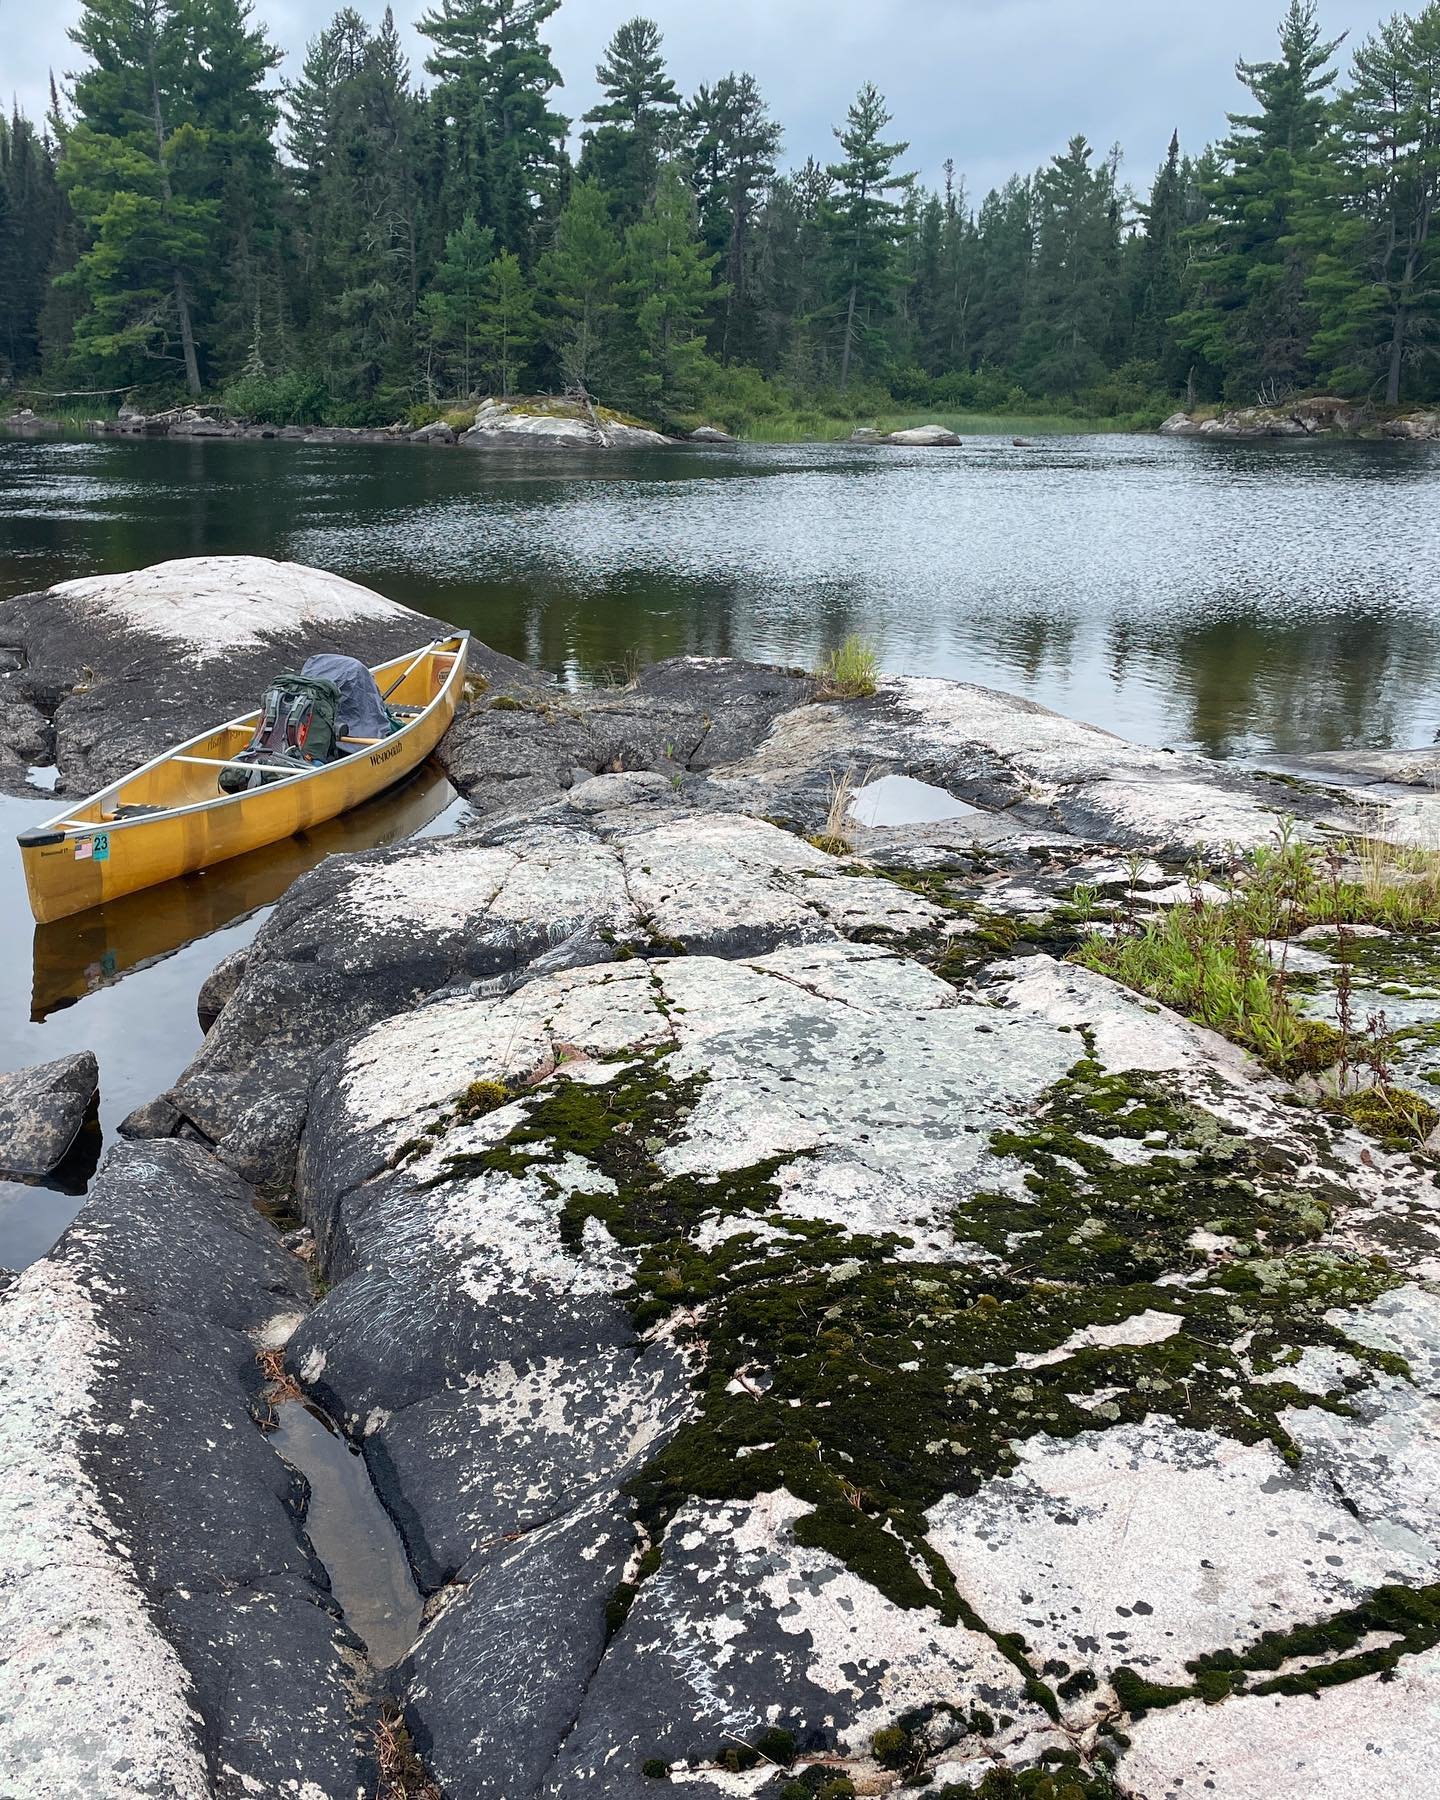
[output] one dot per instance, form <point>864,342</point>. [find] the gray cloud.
<point>998,85</point>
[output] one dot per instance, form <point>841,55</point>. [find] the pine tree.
<point>228,62</point>
<point>641,103</point>
<point>580,285</point>
<point>1375,285</point>
<point>669,285</point>
<point>1247,313</point>
<point>507,326</point>
<point>862,225</point>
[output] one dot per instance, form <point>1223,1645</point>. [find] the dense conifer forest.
<point>356,242</point>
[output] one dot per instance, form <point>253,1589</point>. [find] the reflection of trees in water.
<point>1244,682</point>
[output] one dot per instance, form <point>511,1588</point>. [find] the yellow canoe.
<point>92,852</point>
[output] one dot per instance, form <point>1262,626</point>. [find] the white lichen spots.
<point>312,1366</point>
<point>215,605</point>
<point>1151,1543</point>
<point>733,1569</point>
<point>95,1699</point>
<point>276,1332</point>
<point>1373,1736</point>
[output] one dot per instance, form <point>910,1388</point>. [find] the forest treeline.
<point>353,245</point>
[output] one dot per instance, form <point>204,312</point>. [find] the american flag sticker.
<point>84,849</point>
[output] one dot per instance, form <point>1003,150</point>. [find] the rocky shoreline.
<point>1319,416</point>
<point>812,1338</point>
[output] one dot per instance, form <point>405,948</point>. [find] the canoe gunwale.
<point>62,826</point>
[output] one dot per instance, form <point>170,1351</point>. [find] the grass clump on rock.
<point>850,672</point>
<point>1221,957</point>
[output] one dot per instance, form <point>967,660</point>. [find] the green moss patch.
<point>1408,1619</point>
<point>869,1386</point>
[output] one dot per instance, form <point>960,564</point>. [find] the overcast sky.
<point>997,84</point>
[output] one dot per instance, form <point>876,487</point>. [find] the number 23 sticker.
<point>96,849</point>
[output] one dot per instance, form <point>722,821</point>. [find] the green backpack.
<point>297,728</point>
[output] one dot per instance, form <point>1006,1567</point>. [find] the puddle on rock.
<point>352,1533</point>
<point>892,800</point>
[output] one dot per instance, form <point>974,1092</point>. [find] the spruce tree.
<point>1073,293</point>
<point>669,285</point>
<point>31,208</point>
<point>579,280</point>
<point>455,305</point>
<point>507,325</point>
<point>641,102</point>
<point>863,226</point>
<point>733,146</point>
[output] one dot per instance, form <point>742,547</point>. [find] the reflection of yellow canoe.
<point>92,852</point>
<point>77,956</point>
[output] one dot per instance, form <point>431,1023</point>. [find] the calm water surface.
<point>1240,598</point>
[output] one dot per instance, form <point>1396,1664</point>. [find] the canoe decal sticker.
<point>97,849</point>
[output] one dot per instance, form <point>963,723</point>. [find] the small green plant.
<point>1221,957</point>
<point>849,673</point>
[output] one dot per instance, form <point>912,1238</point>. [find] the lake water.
<point>1241,599</point>
<point>1238,598</point>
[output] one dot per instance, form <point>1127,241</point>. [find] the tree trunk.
<point>187,335</point>
<point>849,339</point>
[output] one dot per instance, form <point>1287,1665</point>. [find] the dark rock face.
<point>117,668</point>
<point>682,716</point>
<point>42,1110</point>
<point>229,1670</point>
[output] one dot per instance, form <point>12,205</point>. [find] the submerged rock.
<point>42,1111</point>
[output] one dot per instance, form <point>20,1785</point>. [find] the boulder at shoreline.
<point>120,667</point>
<point>42,1110</point>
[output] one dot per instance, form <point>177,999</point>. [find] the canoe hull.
<point>88,868</point>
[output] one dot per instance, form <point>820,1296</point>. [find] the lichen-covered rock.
<point>42,1110</point>
<point>165,1628</point>
<point>556,424</point>
<point>980,1291</point>
<point>363,938</point>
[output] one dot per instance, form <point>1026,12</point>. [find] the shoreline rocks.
<point>1317,416</point>
<point>42,1112</point>
<point>108,670</point>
